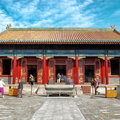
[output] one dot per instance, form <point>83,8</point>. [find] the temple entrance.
<point>60,69</point>
<point>89,73</point>
<point>32,69</point>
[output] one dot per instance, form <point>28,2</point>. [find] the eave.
<point>59,42</point>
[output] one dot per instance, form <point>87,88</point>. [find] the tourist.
<point>92,87</point>
<point>20,88</point>
<point>31,79</point>
<point>58,78</point>
<point>2,84</point>
<point>63,78</point>
<point>96,86</point>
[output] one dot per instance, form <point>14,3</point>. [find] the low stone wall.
<point>76,92</point>
<point>83,89</point>
<point>114,81</point>
<point>7,80</point>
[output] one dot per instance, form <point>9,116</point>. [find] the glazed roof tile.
<point>59,36</point>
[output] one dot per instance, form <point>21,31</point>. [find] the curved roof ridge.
<point>117,31</point>
<point>60,29</point>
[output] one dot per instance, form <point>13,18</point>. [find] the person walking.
<point>92,88</point>
<point>20,88</point>
<point>2,84</point>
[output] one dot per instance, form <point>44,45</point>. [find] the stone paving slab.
<point>99,107</point>
<point>58,109</point>
<point>13,108</point>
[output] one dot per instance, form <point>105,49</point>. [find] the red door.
<point>81,72</point>
<point>24,70</point>
<point>69,69</point>
<point>51,72</point>
<point>39,72</point>
<point>97,68</point>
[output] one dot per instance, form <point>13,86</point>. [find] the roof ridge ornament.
<point>8,26</point>
<point>113,27</point>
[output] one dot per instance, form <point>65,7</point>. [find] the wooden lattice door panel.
<point>69,69</point>
<point>39,72</point>
<point>97,69</point>
<point>51,74</point>
<point>24,69</point>
<point>81,72</point>
<point>11,73</point>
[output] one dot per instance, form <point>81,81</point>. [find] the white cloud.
<point>86,3</point>
<point>30,8</point>
<point>4,21</point>
<point>43,23</point>
<point>116,13</point>
<point>74,15</point>
<point>49,13</point>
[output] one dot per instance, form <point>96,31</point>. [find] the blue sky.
<point>60,13</point>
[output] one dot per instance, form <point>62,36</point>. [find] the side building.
<point>79,53</point>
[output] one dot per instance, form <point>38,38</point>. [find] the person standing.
<point>2,84</point>
<point>31,81</point>
<point>58,78</point>
<point>20,88</point>
<point>96,86</point>
<point>63,78</point>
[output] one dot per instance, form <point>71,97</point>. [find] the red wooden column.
<point>76,70</point>
<point>14,69</point>
<point>18,69</point>
<point>106,69</point>
<point>44,70</point>
<point>102,72</point>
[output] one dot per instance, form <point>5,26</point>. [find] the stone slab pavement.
<point>58,109</point>
<point>99,107</point>
<point>82,106</point>
<point>13,108</point>
<point>37,107</point>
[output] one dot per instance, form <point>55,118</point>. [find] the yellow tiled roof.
<point>73,35</point>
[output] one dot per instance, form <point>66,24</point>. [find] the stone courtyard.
<point>40,107</point>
